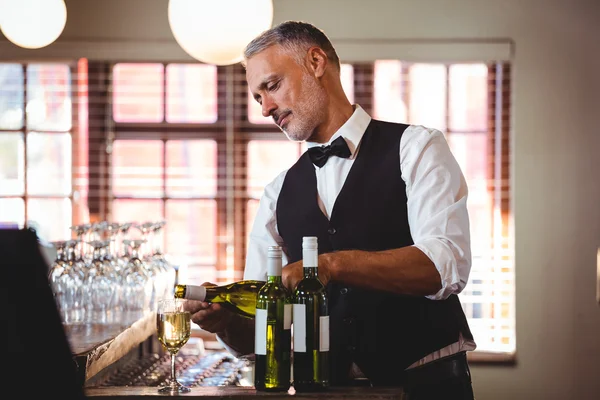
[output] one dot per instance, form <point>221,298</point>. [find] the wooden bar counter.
<point>100,349</point>
<point>244,393</point>
<point>97,347</point>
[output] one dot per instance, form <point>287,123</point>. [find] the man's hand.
<point>293,273</point>
<point>210,317</point>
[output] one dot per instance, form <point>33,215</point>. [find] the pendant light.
<point>32,24</point>
<point>217,31</point>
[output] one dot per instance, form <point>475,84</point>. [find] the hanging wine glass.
<point>80,233</point>
<point>117,310</point>
<point>138,285</point>
<point>74,284</point>
<point>55,275</point>
<point>166,272</point>
<point>101,283</point>
<point>155,271</point>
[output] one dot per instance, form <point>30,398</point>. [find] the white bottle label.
<point>324,333</point>
<point>260,337</point>
<point>287,316</point>
<point>299,328</point>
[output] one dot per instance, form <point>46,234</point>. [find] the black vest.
<point>382,333</point>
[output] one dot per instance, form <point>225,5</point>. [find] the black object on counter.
<point>37,358</point>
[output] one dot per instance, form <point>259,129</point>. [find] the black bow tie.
<point>319,154</point>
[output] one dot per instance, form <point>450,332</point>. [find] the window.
<point>469,103</point>
<point>186,144</point>
<point>163,171</point>
<point>36,147</point>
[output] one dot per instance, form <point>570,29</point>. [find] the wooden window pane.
<point>266,159</point>
<point>11,96</point>
<point>471,153</point>
<point>49,104</point>
<point>191,231</point>
<point>138,211</point>
<point>137,168</point>
<point>49,163</point>
<point>388,91</point>
<point>138,92</point>
<point>12,212</point>
<point>191,93</point>
<point>468,106</point>
<point>191,168</point>
<point>347,78</point>
<point>427,94</point>
<point>251,210</point>
<point>52,217</point>
<point>12,164</point>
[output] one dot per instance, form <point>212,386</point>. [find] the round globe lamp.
<point>32,24</point>
<point>217,31</point>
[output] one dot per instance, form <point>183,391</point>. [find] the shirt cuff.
<point>445,261</point>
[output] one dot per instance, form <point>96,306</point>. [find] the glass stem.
<point>173,376</point>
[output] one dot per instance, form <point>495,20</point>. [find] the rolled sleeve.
<point>437,206</point>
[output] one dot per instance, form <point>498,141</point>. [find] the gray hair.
<point>295,36</point>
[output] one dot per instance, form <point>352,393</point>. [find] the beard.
<point>310,111</point>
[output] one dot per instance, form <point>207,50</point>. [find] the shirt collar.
<point>352,130</point>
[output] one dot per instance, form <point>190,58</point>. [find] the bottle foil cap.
<point>309,242</point>
<point>274,251</point>
<point>195,292</point>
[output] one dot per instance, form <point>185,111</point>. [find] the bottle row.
<point>291,343</point>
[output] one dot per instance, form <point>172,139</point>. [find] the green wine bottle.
<point>273,334</point>
<point>311,325</point>
<point>239,297</point>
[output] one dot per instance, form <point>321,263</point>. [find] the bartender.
<point>388,203</point>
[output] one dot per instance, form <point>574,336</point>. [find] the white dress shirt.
<point>437,207</point>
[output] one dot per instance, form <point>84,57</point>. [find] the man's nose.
<point>268,106</point>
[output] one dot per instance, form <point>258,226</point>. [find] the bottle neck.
<point>310,260</point>
<point>311,272</point>
<point>274,269</point>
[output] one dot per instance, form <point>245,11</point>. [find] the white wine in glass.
<point>173,327</point>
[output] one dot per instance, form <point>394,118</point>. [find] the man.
<point>389,210</point>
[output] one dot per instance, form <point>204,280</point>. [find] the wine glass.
<point>173,326</point>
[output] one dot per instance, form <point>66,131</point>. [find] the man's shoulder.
<point>410,129</point>
<point>389,126</point>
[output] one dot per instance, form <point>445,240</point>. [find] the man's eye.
<point>273,86</point>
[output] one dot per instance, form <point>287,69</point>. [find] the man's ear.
<point>317,60</point>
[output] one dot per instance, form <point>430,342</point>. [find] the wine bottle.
<point>273,335</point>
<point>311,325</point>
<point>239,297</point>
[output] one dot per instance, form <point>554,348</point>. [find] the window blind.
<point>183,143</point>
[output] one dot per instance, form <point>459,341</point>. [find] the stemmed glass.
<point>173,327</point>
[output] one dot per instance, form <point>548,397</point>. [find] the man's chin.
<point>290,136</point>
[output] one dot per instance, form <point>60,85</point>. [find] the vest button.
<point>351,348</point>
<point>331,231</point>
<point>344,290</point>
